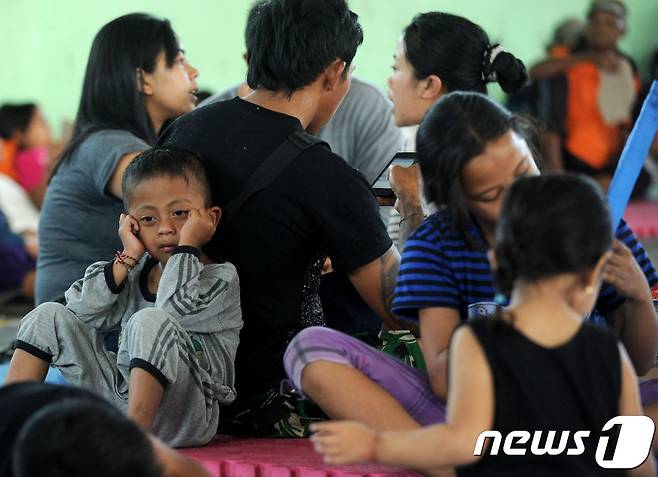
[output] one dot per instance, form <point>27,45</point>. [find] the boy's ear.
<point>216,214</point>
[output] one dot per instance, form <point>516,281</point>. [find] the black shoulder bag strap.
<point>271,168</point>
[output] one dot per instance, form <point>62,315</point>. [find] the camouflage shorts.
<point>284,414</point>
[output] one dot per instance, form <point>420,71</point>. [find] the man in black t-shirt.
<point>299,66</point>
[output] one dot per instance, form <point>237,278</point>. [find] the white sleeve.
<point>21,213</point>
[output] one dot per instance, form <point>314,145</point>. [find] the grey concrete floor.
<point>10,315</point>
<point>8,329</point>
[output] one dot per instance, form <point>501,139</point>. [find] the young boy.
<point>176,315</point>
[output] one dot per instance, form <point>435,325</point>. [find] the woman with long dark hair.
<point>137,78</point>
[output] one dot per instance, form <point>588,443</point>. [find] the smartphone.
<point>382,187</point>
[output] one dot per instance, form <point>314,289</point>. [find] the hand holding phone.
<point>406,182</point>
<point>382,186</point>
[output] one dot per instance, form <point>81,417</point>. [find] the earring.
<point>589,289</point>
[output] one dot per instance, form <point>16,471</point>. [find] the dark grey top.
<point>79,220</point>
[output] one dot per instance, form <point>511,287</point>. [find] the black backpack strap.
<point>271,168</point>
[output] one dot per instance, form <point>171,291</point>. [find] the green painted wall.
<point>44,43</point>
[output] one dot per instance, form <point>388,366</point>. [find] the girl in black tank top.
<point>538,379</point>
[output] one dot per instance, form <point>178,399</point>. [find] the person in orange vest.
<point>592,95</point>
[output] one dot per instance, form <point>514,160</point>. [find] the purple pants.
<point>15,263</point>
<point>409,386</point>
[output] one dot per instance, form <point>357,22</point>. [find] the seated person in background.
<point>137,78</point>
<point>20,212</point>
<point>590,101</point>
<point>19,246</point>
<point>17,262</point>
<point>536,366</point>
<point>317,207</point>
<point>25,126</point>
<point>175,316</point>
<point>49,430</point>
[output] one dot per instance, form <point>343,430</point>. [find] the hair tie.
<point>490,55</point>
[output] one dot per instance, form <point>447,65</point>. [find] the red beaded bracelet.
<point>120,257</point>
<point>124,255</point>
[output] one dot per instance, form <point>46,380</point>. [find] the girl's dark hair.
<point>111,96</point>
<point>459,52</point>
<point>549,225</point>
<point>15,117</point>
<point>455,130</point>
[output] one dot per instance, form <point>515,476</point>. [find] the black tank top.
<point>571,387</point>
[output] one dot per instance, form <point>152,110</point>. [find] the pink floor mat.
<point>642,217</point>
<point>228,457</point>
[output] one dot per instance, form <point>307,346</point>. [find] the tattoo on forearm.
<point>389,274</point>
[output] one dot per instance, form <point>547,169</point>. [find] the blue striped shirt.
<point>440,269</point>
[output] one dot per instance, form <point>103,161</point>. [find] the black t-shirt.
<point>319,206</point>
<point>20,401</point>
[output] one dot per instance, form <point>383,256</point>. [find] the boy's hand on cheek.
<point>128,231</point>
<point>198,230</point>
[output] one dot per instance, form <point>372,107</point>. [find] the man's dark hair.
<point>164,162</point>
<point>290,42</point>
<point>81,437</point>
